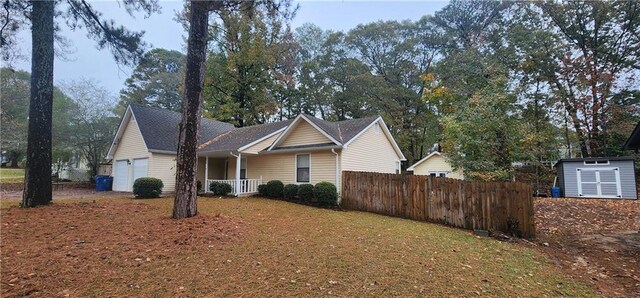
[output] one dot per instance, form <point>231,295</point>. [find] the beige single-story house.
<point>300,150</point>
<point>436,164</point>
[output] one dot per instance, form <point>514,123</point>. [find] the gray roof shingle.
<point>160,127</point>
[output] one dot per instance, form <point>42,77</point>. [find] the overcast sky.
<point>162,31</point>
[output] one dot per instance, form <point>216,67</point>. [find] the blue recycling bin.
<point>555,192</point>
<point>109,182</point>
<point>103,182</point>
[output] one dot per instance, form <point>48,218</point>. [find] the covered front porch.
<point>229,168</point>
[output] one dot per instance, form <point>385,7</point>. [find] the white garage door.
<point>140,168</point>
<point>599,183</point>
<point>121,175</point>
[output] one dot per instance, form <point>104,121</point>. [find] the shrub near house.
<point>220,188</point>
<point>324,192</point>
<point>290,191</point>
<point>305,192</point>
<point>147,187</point>
<point>275,189</point>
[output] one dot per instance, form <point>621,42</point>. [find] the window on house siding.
<point>303,165</point>
<point>438,174</point>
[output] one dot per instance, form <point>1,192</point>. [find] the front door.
<point>599,182</point>
<point>121,179</point>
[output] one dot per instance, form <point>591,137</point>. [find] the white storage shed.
<point>597,177</point>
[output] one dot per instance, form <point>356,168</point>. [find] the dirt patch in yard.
<point>594,240</point>
<point>80,242</point>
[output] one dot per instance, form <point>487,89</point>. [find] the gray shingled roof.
<point>239,137</point>
<point>343,131</point>
<point>160,127</point>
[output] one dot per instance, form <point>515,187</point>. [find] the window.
<point>303,164</point>
<point>438,174</point>
<point>596,162</point>
<point>243,168</point>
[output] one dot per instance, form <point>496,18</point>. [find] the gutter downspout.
<point>338,184</point>
<point>238,164</point>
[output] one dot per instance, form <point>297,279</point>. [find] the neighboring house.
<point>597,177</point>
<point>75,169</point>
<point>436,164</point>
<point>300,150</point>
<point>633,142</point>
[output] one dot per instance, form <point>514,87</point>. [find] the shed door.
<point>121,175</point>
<point>599,182</point>
<point>140,168</point>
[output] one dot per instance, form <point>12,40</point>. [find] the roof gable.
<point>160,128</point>
<point>304,133</point>
<point>122,128</point>
<point>434,153</point>
<point>291,129</point>
<point>383,126</point>
<point>339,133</point>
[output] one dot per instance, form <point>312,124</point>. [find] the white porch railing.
<point>247,186</point>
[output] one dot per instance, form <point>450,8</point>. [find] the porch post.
<point>206,175</point>
<point>238,165</point>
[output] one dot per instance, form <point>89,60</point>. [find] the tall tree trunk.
<point>37,181</point>
<point>187,160</point>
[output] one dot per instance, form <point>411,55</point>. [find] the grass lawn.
<point>256,247</point>
<point>11,175</point>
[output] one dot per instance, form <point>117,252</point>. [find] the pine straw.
<point>63,248</point>
<point>596,241</point>
<point>257,247</point>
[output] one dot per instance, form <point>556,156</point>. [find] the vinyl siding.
<point>261,145</point>
<point>282,167</point>
<point>627,177</point>
<point>131,146</point>
<point>370,152</point>
<point>304,134</point>
<point>437,163</point>
<point>163,167</point>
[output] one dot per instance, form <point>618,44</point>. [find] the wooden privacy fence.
<point>502,206</point>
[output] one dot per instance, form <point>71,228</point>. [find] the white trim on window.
<point>296,168</point>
